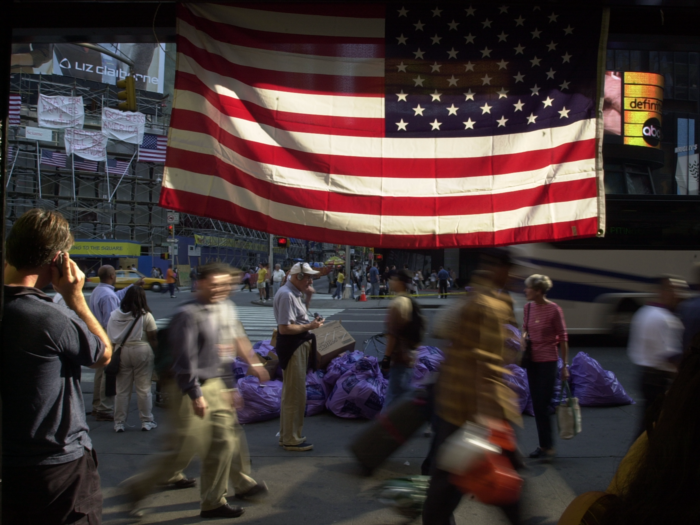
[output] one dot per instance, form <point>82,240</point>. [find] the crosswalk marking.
<point>259,322</point>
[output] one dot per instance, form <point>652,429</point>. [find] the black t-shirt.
<point>43,347</point>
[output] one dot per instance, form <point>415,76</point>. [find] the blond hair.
<point>539,282</point>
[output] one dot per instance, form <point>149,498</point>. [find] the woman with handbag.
<point>133,331</point>
<point>543,331</point>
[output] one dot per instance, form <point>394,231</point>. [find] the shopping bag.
<point>568,414</point>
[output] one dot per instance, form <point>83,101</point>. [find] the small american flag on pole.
<point>117,167</point>
<point>82,164</point>
<point>389,125</point>
<point>53,158</point>
<point>15,107</point>
<point>153,148</point>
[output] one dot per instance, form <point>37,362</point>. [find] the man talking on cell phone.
<point>296,348</point>
<point>49,469</point>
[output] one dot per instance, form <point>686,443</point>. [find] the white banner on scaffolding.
<point>60,112</point>
<point>123,125</point>
<point>90,145</point>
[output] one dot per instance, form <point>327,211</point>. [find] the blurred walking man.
<point>470,386</point>
<point>103,301</point>
<point>277,278</point>
<point>655,342</point>
<point>204,420</point>
<point>49,469</point>
<point>296,348</point>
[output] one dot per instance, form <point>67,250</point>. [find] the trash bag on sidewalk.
<point>316,393</point>
<point>240,369</point>
<point>594,386</point>
<point>339,366</point>
<point>512,337</point>
<point>428,360</point>
<point>261,401</point>
<point>359,392</point>
<point>263,348</point>
<point>519,384</point>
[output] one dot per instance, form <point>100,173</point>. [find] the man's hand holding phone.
<point>67,278</point>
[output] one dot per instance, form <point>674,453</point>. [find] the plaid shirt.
<point>471,377</point>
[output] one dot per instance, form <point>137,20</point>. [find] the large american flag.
<point>153,148</point>
<point>82,164</point>
<point>53,158</point>
<point>389,126</point>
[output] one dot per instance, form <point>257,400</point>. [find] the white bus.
<point>601,282</point>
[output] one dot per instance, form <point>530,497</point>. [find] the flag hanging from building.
<point>15,108</point>
<point>117,167</point>
<point>153,148</point>
<point>53,158</point>
<point>389,126</point>
<point>11,152</point>
<point>81,164</point>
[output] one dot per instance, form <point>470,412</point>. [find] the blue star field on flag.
<point>472,71</point>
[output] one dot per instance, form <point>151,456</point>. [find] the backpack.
<point>415,330</point>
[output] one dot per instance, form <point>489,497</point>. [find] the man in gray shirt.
<point>205,414</point>
<point>296,349</point>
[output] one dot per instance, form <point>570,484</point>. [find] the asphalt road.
<point>325,486</point>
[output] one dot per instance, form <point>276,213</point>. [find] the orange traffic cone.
<point>363,297</point>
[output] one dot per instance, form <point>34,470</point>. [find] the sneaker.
<point>545,455</point>
<point>259,491</point>
<point>302,447</point>
<point>225,511</point>
<point>104,416</point>
<point>148,425</point>
<point>119,427</point>
<point>184,483</point>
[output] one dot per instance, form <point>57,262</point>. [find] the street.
<point>325,486</point>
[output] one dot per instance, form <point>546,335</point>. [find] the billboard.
<point>71,60</point>
<point>633,105</point>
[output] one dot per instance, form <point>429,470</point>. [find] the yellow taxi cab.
<point>127,277</point>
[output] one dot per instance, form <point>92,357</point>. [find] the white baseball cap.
<point>302,268</point>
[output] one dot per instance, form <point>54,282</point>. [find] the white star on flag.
<point>469,66</point>
<point>486,52</point>
<point>532,118</point>
<point>535,90</point>
<point>435,67</point>
<point>564,113</point>
<point>452,80</point>
<point>436,12</point>
<point>469,95</point>
<point>419,26</point>
<point>535,61</point>
<point>519,77</point>
<point>419,81</point>
<point>567,57</point>
<point>453,25</point>
<point>435,125</point>
<point>553,18</point>
<point>536,33</point>
<point>486,23</point>
<point>564,85</point>
<point>419,53</point>
<point>518,105</point>
<point>568,30</point>
<point>485,108</point>
<point>402,67</point>
<point>403,11</point>
<point>402,39</point>
<point>435,96</point>
<point>502,64</point>
<point>548,102</point>
<point>452,110</point>
<point>551,46</point>
<point>502,121</point>
<point>486,80</point>
<point>470,11</point>
<point>419,110</point>
<point>469,124</point>
<point>452,53</point>
<point>519,50</point>
<point>550,73</point>
<point>502,37</point>
<point>436,39</point>
<point>503,93</point>
<point>402,96</point>
<point>469,39</point>
<point>519,21</point>
<point>402,125</point>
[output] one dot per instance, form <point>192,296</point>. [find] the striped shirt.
<point>545,325</point>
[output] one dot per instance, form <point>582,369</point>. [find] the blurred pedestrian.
<point>262,280</point>
<point>296,348</point>
<point>103,301</point>
<point>418,280</point>
<point>49,465</point>
<point>170,281</point>
<point>433,280</point>
<point>200,336</point>
<point>471,386</point>
<point>277,277</point>
<point>405,327</point>
<point>193,279</point>
<point>374,280</point>
<point>340,279</point>
<point>544,326</point>
<point>138,343</point>
<point>655,342</point>
<point>246,281</point>
<point>443,277</point>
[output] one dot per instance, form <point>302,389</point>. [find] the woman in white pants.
<point>136,365</point>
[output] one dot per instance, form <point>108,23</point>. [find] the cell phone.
<point>318,317</point>
<point>58,263</point>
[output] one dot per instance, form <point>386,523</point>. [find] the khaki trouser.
<point>135,369</point>
<point>100,402</point>
<point>293,403</point>
<point>212,438</point>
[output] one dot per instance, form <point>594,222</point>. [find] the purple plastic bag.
<point>339,366</point>
<point>316,393</point>
<point>359,392</point>
<point>240,369</point>
<point>261,401</point>
<point>594,386</point>
<point>519,384</point>
<point>428,360</point>
<point>512,337</point>
<point>262,348</point>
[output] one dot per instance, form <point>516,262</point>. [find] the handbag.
<point>527,354</point>
<point>568,414</point>
<point>112,369</point>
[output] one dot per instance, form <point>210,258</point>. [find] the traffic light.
<point>164,255</point>
<point>282,242</point>
<point>379,256</point>
<point>170,229</point>
<point>128,84</point>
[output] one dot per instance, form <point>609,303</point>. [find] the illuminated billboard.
<point>632,108</point>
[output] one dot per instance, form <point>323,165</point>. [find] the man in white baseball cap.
<point>296,348</point>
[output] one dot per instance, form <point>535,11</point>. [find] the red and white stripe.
<point>278,125</point>
<point>15,108</point>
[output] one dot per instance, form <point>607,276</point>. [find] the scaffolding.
<point>99,204</point>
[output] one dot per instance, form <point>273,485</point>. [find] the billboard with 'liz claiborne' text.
<point>633,107</point>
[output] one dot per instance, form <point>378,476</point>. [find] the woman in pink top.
<point>543,321</point>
